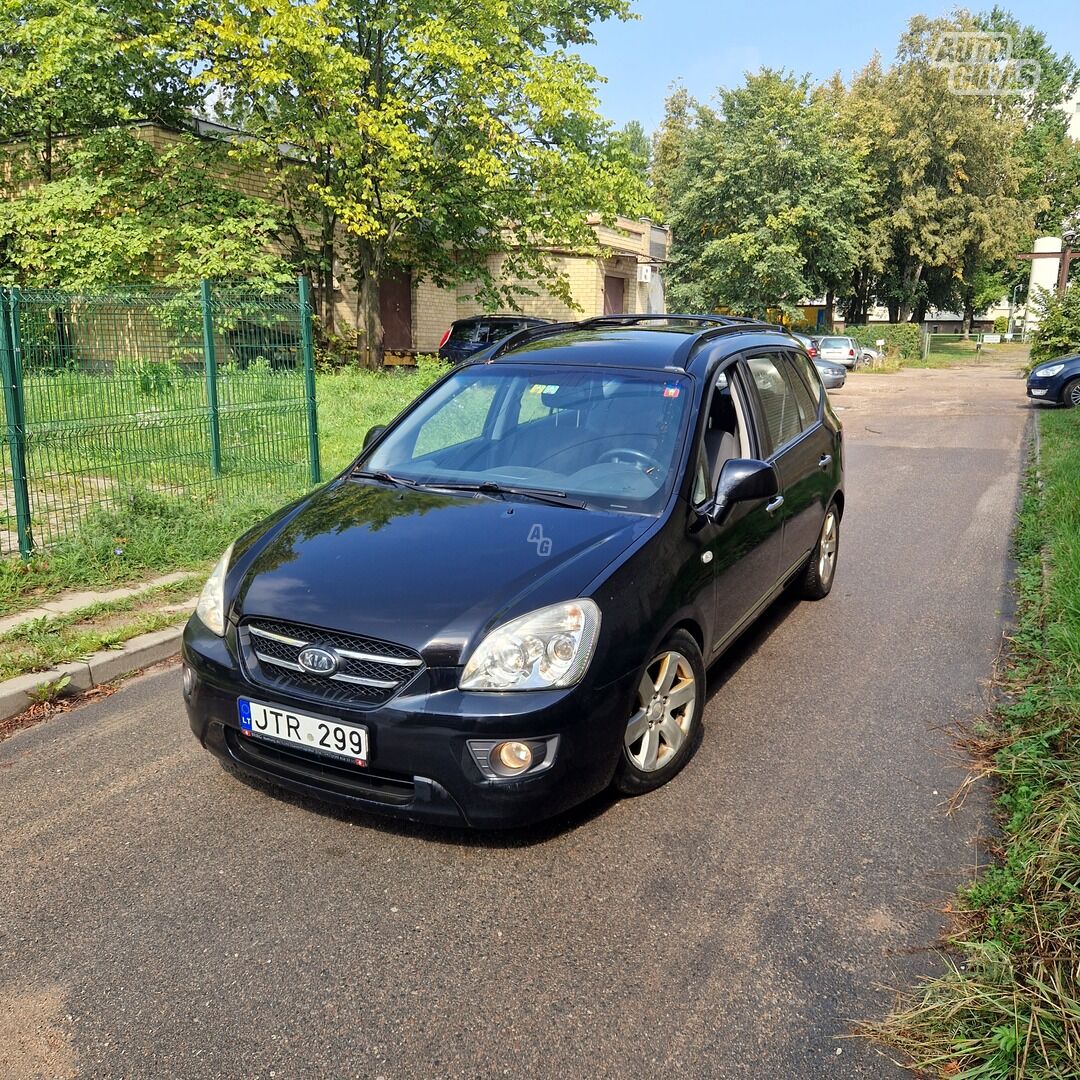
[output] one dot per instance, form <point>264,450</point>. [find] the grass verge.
<point>43,643</point>
<point>1009,1005</point>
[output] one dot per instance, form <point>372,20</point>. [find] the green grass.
<point>44,643</point>
<point>149,530</point>
<point>955,353</point>
<point>352,400</point>
<point>1010,1004</point>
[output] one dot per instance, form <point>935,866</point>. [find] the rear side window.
<point>778,405</point>
<point>806,387</point>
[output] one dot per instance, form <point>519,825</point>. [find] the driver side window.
<point>723,439</point>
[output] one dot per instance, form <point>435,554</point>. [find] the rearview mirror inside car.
<point>372,434</point>
<point>743,479</point>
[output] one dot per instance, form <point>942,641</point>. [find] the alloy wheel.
<point>1074,394</point>
<point>827,546</point>
<point>663,712</point>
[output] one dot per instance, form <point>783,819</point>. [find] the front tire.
<point>1070,396</point>
<point>820,570</point>
<point>664,727</point>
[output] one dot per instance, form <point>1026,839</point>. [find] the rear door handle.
<point>825,462</point>
<point>775,504</point>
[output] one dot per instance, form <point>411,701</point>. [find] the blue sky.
<point>709,44</point>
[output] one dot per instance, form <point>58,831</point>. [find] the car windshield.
<point>603,437</point>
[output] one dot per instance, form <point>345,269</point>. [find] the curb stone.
<point>16,695</point>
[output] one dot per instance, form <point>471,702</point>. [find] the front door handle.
<point>775,504</point>
<point>825,462</point>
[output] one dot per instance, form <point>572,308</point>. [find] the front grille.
<point>369,673</point>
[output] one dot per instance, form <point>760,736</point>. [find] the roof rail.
<point>631,319</point>
<point>717,326</point>
<point>520,337</point>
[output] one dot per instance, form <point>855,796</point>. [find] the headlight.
<point>211,606</point>
<point>543,650</point>
<point>1049,372</point>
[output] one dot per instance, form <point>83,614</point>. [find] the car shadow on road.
<point>562,824</point>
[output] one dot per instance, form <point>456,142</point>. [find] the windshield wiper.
<point>490,487</point>
<point>384,476</point>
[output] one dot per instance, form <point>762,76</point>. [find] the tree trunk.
<point>969,319</point>
<point>830,304</point>
<point>371,348</point>
<point>894,311</point>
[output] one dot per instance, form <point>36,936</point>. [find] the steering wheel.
<point>646,462</point>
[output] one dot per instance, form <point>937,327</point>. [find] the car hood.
<point>422,568</point>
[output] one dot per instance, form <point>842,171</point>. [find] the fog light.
<point>188,677</point>
<point>513,756</point>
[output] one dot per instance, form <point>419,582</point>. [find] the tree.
<point>1058,331</point>
<point>121,210</point>
<point>635,143</point>
<point>945,178</point>
<point>68,67</point>
<point>408,136</point>
<point>669,147</point>
<point>1049,157</point>
<point>767,196</point>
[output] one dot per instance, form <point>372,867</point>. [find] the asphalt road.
<point>163,919</point>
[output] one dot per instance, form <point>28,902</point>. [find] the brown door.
<point>395,308</point>
<point>614,295</point>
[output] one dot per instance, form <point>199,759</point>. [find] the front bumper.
<point>419,767</point>
<point>1044,389</point>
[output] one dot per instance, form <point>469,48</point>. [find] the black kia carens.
<point>507,603</point>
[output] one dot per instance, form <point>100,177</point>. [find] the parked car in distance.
<point>833,376</point>
<point>1056,381</point>
<point>840,350</point>
<point>810,344</point>
<point>507,603</point>
<point>867,355</point>
<point>466,337</point>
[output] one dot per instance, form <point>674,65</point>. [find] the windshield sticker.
<point>671,391</point>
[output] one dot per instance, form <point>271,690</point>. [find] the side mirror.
<point>372,434</point>
<point>743,479</point>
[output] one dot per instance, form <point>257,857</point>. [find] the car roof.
<point>646,341</point>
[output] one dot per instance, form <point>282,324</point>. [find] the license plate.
<point>315,733</point>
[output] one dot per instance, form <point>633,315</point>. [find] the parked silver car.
<point>840,350</point>
<point>832,375</point>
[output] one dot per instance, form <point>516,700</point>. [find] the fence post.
<point>11,372</point>
<point>210,359</point>
<point>309,378</point>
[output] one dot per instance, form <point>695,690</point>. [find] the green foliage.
<point>945,182</point>
<point>1058,332</point>
<point>117,209</point>
<point>429,138</point>
<point>49,691</point>
<point>1001,324</point>
<point>767,192</point>
<point>669,147</point>
<point>902,340</point>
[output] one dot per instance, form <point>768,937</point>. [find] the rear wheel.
<point>1071,395</point>
<point>664,727</point>
<point>821,568</point>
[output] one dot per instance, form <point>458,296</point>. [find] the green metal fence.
<point>180,391</point>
